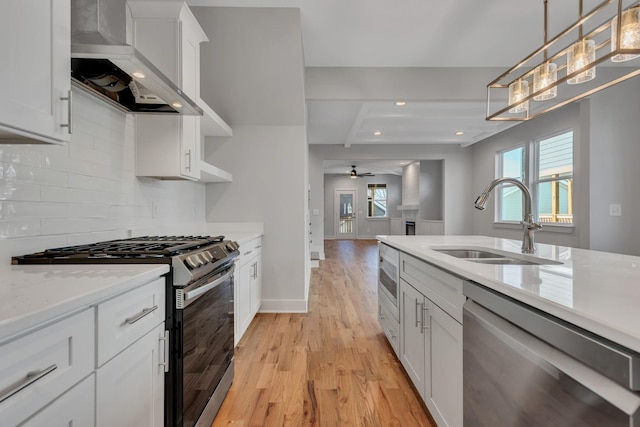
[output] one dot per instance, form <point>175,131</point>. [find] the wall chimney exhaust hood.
<point>105,66</point>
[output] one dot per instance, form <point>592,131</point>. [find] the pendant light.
<point>580,55</point>
<point>547,73</point>
<point>629,34</point>
<point>518,90</point>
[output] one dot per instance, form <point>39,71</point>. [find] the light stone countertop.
<point>34,294</point>
<point>597,291</point>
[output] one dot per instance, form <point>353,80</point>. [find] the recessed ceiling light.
<point>377,133</point>
<point>176,105</point>
<point>138,74</point>
<point>400,103</point>
<point>459,133</point>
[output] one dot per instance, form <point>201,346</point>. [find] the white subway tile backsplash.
<point>11,190</point>
<point>19,228</point>
<point>86,190</point>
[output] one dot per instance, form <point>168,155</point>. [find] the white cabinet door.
<point>445,400</point>
<point>130,387</point>
<point>74,408</point>
<point>413,336</point>
<point>243,299</point>
<point>35,52</point>
<point>256,285</point>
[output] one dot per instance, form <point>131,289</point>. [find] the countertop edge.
<point>20,326</point>
<point>607,331</point>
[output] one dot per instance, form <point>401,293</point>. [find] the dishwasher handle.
<point>552,360</point>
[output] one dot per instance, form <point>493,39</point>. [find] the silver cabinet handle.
<point>165,343</point>
<point>259,246</point>
<point>29,379</point>
<point>187,158</point>
<point>417,321</point>
<point>133,319</point>
<point>247,253</point>
<point>425,309</point>
<point>69,124</point>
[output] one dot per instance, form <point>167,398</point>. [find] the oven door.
<point>207,342</point>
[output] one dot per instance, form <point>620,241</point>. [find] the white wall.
<point>411,184</point>
<point>366,228</point>
<point>253,76</point>
<point>86,190</point>
<point>457,165</point>
<point>484,171</point>
<point>615,174</point>
<point>431,196</point>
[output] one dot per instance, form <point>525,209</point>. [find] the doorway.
<point>345,213</point>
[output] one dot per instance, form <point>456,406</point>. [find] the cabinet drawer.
<point>390,326</point>
<point>249,250</point>
<point>74,408</point>
<point>442,288</point>
<point>40,366</point>
<point>127,317</point>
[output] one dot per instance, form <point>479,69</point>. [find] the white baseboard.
<point>284,306</point>
<point>315,263</point>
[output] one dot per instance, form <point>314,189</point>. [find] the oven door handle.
<point>192,295</point>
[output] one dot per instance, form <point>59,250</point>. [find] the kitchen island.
<point>442,321</point>
<point>597,291</point>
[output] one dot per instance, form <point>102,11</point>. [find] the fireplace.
<point>410,228</point>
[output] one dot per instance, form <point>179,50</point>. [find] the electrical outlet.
<point>615,209</point>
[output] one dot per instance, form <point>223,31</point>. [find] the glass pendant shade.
<point>518,90</point>
<point>629,34</point>
<point>544,76</point>
<point>581,54</point>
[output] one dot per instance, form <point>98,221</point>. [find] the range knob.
<point>194,261</point>
<point>206,255</point>
<point>232,246</point>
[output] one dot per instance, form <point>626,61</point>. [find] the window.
<point>545,166</point>
<point>377,200</point>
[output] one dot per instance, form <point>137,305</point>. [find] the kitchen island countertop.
<point>597,291</point>
<point>31,295</point>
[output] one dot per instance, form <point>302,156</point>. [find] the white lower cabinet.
<point>248,286</point>
<point>102,366</point>
<point>130,387</point>
<point>431,337</point>
<point>74,408</point>
<point>39,367</point>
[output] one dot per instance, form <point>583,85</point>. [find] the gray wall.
<point>365,227</point>
<point>431,185</point>
<point>484,170</point>
<point>614,170</point>
<point>253,76</point>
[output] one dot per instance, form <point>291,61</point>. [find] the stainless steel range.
<point>199,313</point>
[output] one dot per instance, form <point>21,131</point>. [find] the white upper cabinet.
<point>35,105</point>
<point>168,34</point>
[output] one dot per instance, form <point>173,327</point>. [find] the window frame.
<point>369,200</point>
<point>532,181</point>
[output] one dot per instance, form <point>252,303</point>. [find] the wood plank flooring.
<point>331,366</point>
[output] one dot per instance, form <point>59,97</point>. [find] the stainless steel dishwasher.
<point>523,367</point>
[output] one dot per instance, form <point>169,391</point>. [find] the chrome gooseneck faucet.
<point>528,225</point>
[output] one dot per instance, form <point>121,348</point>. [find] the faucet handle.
<point>531,225</point>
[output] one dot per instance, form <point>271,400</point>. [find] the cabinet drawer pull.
<point>69,124</point>
<point>165,343</point>
<point>29,379</point>
<point>258,247</point>
<point>133,319</point>
<point>425,309</point>
<point>417,321</point>
<point>187,159</point>
<point>246,253</point>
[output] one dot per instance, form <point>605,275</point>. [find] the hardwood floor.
<point>329,367</point>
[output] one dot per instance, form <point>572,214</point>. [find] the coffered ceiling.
<point>413,33</point>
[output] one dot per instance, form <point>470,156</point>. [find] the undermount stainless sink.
<point>469,253</point>
<point>481,256</point>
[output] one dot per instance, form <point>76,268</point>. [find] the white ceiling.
<point>376,167</point>
<point>413,33</point>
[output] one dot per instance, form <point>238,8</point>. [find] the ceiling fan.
<point>353,174</point>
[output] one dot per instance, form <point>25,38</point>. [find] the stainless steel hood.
<point>105,66</point>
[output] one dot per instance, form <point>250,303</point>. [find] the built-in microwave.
<point>389,275</point>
